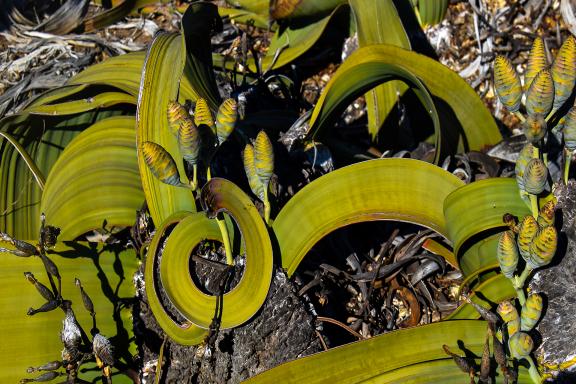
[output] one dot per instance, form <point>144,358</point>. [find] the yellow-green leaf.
<point>35,340</point>
<point>376,64</point>
<point>384,189</point>
<point>95,179</point>
<point>183,333</point>
<point>162,71</point>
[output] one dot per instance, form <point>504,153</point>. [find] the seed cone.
<point>540,95</point>
<point>507,253</point>
<point>520,345</point>
<point>507,83</point>
<point>527,231</point>
<point>531,311</point>
<point>543,247</point>
<point>535,177</point>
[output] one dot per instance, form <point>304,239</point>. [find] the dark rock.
<point>283,330</point>
<point>557,283</point>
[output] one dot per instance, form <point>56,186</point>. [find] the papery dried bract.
<point>507,83</point>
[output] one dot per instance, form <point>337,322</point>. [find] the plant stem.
<point>567,161</point>
<point>225,239</point>
<point>520,116</point>
<point>208,174</point>
<point>536,152</point>
<point>194,182</point>
<point>533,370</point>
<point>534,205</point>
<point>518,283</point>
<point>266,208</point>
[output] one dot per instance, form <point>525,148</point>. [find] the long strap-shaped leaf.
<point>159,85</point>
<point>95,179</point>
<point>198,22</point>
<point>385,189</point>
<point>27,159</point>
<point>182,333</point>
<point>378,22</point>
<point>355,362</point>
<point>122,72</point>
<point>476,208</point>
<point>43,138</point>
<point>375,64</point>
<point>494,289</point>
<point>101,100</point>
